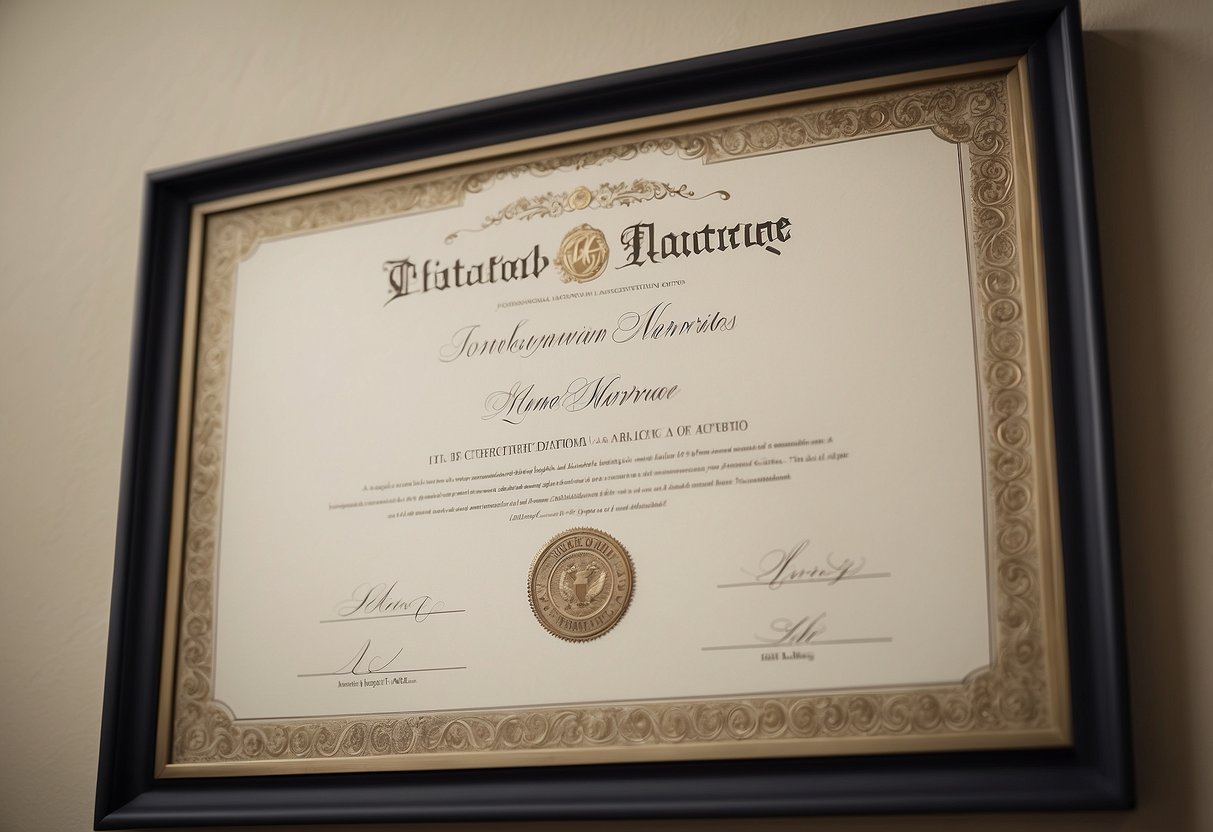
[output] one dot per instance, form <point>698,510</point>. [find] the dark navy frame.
<point>1096,773</point>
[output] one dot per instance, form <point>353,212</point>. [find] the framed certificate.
<point>724,437</point>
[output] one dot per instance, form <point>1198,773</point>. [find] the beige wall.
<point>94,94</point>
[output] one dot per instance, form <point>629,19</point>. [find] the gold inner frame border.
<point>1022,699</point>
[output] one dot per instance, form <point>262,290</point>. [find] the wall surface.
<point>92,95</point>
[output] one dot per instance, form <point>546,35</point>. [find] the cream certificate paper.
<point>767,378</point>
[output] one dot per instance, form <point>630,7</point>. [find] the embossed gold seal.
<point>581,584</point>
<point>583,254</point>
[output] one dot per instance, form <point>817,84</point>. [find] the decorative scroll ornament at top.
<point>580,198</point>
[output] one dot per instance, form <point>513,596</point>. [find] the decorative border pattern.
<point>1012,695</point>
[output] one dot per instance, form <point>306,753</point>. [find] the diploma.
<point>739,425</point>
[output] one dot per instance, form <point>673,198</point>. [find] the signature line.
<point>815,642</point>
<point>393,615</point>
<point>383,672</point>
<point>811,580</point>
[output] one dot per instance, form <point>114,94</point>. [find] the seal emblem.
<point>581,583</point>
<point>583,254</point>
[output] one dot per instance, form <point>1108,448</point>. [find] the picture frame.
<point>145,780</point>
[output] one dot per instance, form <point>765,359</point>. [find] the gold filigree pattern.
<point>606,195</point>
<point>1011,695</point>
